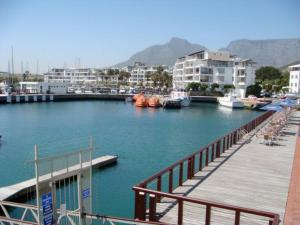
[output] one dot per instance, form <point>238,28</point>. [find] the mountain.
<point>272,52</point>
<point>165,54</point>
<point>277,52</point>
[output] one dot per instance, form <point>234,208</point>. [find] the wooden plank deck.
<point>250,174</point>
<point>9,191</point>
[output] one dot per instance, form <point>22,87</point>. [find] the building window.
<point>221,70</point>
<point>205,70</point>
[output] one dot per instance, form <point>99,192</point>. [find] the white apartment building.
<point>139,73</point>
<point>214,67</point>
<point>294,83</point>
<point>72,76</point>
<point>43,87</point>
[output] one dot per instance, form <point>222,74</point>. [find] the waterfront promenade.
<point>249,174</point>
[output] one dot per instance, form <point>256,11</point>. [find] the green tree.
<point>124,76</point>
<point>254,89</point>
<point>161,78</point>
<point>193,86</point>
<point>267,73</point>
<point>110,72</point>
<point>167,79</point>
<point>214,86</point>
<point>227,87</point>
<point>203,86</point>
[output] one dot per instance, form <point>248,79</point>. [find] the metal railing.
<point>185,169</point>
<point>27,215</point>
<point>155,196</point>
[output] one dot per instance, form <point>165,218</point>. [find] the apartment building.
<point>294,81</point>
<point>140,73</point>
<point>76,76</point>
<point>214,67</point>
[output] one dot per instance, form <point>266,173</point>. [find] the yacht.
<point>230,100</point>
<point>182,96</point>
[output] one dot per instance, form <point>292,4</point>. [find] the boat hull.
<point>172,104</point>
<point>230,104</point>
<point>185,102</point>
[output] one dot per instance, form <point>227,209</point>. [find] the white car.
<point>122,91</point>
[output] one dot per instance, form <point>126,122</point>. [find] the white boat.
<point>183,96</point>
<point>230,100</point>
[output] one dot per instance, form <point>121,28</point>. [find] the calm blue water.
<point>146,140</point>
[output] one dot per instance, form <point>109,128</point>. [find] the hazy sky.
<point>103,33</point>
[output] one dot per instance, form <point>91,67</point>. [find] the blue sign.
<point>86,193</point>
<point>47,205</point>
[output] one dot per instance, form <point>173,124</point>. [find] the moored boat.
<point>254,103</point>
<point>135,97</point>
<point>141,101</point>
<point>170,103</point>
<point>183,96</point>
<point>153,101</point>
<point>230,100</point>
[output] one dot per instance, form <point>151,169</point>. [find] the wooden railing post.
<point>224,144</point>
<point>206,156</point>
<point>170,180</point>
<point>200,160</point>
<point>234,137</point>
<point>152,207</point>
<point>237,217</point>
<point>207,215</point>
<point>189,169</point>
<point>212,152</point>
<point>218,149</point>
<point>227,142</point>
<point>180,174</point>
<point>158,188</point>
<point>140,205</point>
<point>193,166</point>
<point>180,212</point>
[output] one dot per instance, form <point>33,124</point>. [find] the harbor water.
<point>145,139</point>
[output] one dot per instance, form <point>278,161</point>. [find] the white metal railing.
<point>26,210</point>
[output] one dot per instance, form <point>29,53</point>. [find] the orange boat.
<point>154,102</point>
<point>135,97</point>
<point>141,101</point>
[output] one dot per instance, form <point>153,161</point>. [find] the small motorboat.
<point>254,103</point>
<point>230,100</point>
<point>183,96</point>
<point>141,101</point>
<point>153,101</point>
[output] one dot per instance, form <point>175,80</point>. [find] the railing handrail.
<point>177,163</point>
<point>210,203</point>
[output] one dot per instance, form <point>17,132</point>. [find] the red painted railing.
<point>142,193</point>
<point>186,169</point>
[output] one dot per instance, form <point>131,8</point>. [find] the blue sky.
<point>103,33</point>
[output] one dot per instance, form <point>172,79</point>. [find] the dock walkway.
<point>249,174</point>
<point>12,190</point>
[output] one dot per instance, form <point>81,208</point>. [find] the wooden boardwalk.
<point>9,191</point>
<point>250,174</point>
